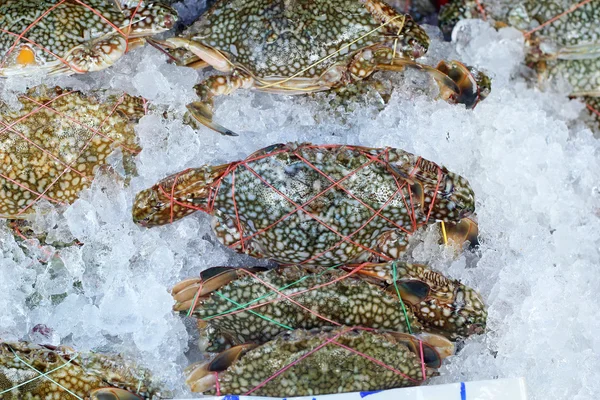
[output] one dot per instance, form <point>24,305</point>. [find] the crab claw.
<point>203,113</point>
<point>201,376</point>
<point>211,280</point>
<point>176,196</point>
<point>186,291</point>
<point>457,82</point>
<point>435,347</point>
<point>465,230</point>
<point>113,394</point>
<point>443,305</point>
<point>473,85</point>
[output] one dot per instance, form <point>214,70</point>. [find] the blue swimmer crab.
<point>239,305</point>
<point>51,147</point>
<point>71,36</point>
<point>339,360</point>
<point>318,205</point>
<point>307,46</point>
<point>563,37</point>
<point>43,372</point>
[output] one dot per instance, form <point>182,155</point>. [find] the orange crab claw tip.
<point>474,86</point>
<point>179,287</point>
<point>199,378</point>
<point>444,347</point>
<point>465,230</point>
<point>435,348</point>
<point>113,394</point>
<point>188,293</point>
<point>225,359</point>
<point>185,305</point>
<point>201,287</point>
<point>203,384</point>
<point>216,278</point>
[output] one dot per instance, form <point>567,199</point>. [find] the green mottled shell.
<point>330,369</point>
<point>80,373</point>
<point>292,236</point>
<point>581,74</point>
<point>567,48</point>
<point>593,104</point>
<point>52,28</point>
<point>350,301</point>
<point>56,141</point>
<point>575,28</point>
<point>279,38</point>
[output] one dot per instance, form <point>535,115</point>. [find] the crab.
<point>51,147</point>
<point>44,372</point>
<point>327,361</point>
<point>68,37</point>
<point>240,305</point>
<point>562,41</point>
<point>307,46</point>
<point>318,205</point>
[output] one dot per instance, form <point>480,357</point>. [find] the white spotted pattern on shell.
<point>409,191</point>
<point>328,297</point>
<point>331,369</point>
<point>283,37</point>
<point>51,147</point>
<point>87,375</point>
<point>73,36</point>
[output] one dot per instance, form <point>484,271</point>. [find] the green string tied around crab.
<point>41,375</point>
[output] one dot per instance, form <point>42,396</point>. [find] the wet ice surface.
<point>534,168</point>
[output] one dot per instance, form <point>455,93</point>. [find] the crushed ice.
<point>534,166</point>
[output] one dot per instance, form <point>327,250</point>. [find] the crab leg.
<point>464,230</point>
<point>217,85</point>
<point>449,88</point>
<point>582,51</point>
<point>457,84</point>
<point>200,376</point>
<point>113,394</point>
<point>185,292</point>
<point>213,57</point>
<point>435,347</point>
<point>100,55</point>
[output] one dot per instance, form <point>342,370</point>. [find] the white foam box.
<point>497,389</point>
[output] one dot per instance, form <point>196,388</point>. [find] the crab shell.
<point>69,374</point>
<point>320,205</point>
<point>274,39</point>
<point>305,46</point>
<point>72,36</point>
<point>300,363</point>
<point>240,305</point>
<point>51,147</point>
